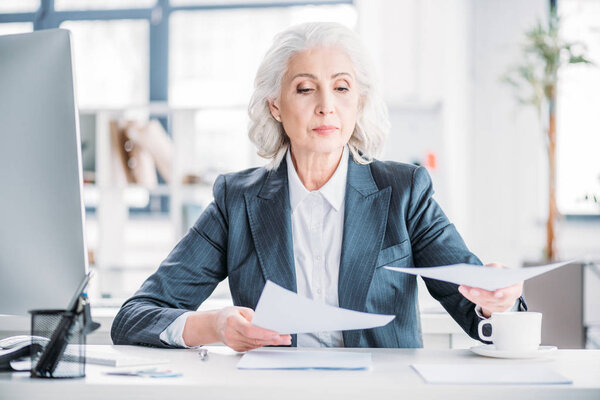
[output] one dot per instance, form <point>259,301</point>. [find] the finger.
<point>255,332</point>
<point>495,265</point>
<point>239,342</point>
<point>249,331</point>
<point>498,305</point>
<point>248,344</point>
<point>472,291</point>
<point>484,299</point>
<point>467,294</point>
<point>243,326</point>
<point>513,291</point>
<point>259,342</point>
<point>493,300</point>
<point>241,347</point>
<point>478,292</point>
<point>468,290</point>
<point>246,312</point>
<point>253,343</point>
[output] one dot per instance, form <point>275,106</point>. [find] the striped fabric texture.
<point>245,235</point>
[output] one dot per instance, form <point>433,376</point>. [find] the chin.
<point>327,144</point>
<point>327,147</point>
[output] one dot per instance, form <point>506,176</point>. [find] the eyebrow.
<point>311,76</point>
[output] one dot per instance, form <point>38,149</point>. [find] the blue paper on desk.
<point>300,359</point>
<point>487,278</point>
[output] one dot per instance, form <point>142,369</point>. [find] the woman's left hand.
<point>499,300</point>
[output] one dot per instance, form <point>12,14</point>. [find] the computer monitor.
<point>43,256</point>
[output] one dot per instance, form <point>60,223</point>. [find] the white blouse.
<point>317,230</point>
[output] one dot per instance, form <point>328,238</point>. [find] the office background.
<point>190,65</point>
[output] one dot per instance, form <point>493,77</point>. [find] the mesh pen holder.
<point>69,360</point>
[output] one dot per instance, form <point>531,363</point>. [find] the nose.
<point>325,105</point>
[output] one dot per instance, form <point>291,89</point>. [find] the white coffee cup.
<point>514,331</point>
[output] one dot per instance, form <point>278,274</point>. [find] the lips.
<point>325,129</point>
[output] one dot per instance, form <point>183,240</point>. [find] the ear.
<point>274,108</point>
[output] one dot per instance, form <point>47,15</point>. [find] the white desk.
<point>439,330</point>
<point>390,378</point>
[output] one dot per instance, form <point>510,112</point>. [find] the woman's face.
<point>319,100</point>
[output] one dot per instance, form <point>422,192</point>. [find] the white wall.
<point>509,175</point>
<point>507,178</point>
<point>440,63</point>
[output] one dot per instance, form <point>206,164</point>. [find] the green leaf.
<point>544,53</point>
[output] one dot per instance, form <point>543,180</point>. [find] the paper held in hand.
<point>286,312</point>
<point>487,278</point>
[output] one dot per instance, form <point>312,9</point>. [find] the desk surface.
<point>390,378</point>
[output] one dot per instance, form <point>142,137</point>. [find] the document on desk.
<point>480,277</point>
<point>286,312</point>
<point>300,359</point>
<point>496,374</point>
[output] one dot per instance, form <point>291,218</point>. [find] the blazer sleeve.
<point>183,281</point>
<point>435,241</point>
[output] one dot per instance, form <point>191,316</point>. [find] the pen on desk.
<point>203,354</point>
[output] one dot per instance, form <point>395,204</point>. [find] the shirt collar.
<point>333,191</point>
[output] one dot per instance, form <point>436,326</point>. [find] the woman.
<point>321,219</point>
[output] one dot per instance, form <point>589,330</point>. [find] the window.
<point>15,27</point>
<point>19,6</point>
<point>578,116</point>
<point>214,55</point>
<point>176,3</point>
<point>63,5</point>
<point>111,62</point>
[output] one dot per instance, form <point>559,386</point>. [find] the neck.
<point>315,169</point>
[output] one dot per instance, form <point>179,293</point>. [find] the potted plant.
<point>535,82</point>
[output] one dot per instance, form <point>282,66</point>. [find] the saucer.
<point>489,350</point>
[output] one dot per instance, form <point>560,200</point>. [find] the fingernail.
<point>474,292</point>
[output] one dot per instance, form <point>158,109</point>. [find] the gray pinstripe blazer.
<point>245,234</point>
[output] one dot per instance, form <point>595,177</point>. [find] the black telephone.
<point>16,352</point>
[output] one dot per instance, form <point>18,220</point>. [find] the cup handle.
<point>480,330</point>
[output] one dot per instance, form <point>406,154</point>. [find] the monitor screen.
<point>43,256</point>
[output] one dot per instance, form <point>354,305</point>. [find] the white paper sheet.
<point>487,278</point>
<point>286,312</point>
<point>478,374</point>
<point>294,359</point>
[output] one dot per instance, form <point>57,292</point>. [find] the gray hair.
<point>372,122</point>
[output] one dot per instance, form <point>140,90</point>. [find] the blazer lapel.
<point>365,219</point>
<point>270,223</point>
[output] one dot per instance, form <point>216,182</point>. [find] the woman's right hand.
<point>233,327</point>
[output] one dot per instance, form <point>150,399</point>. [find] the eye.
<point>341,86</point>
<point>303,90</point>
